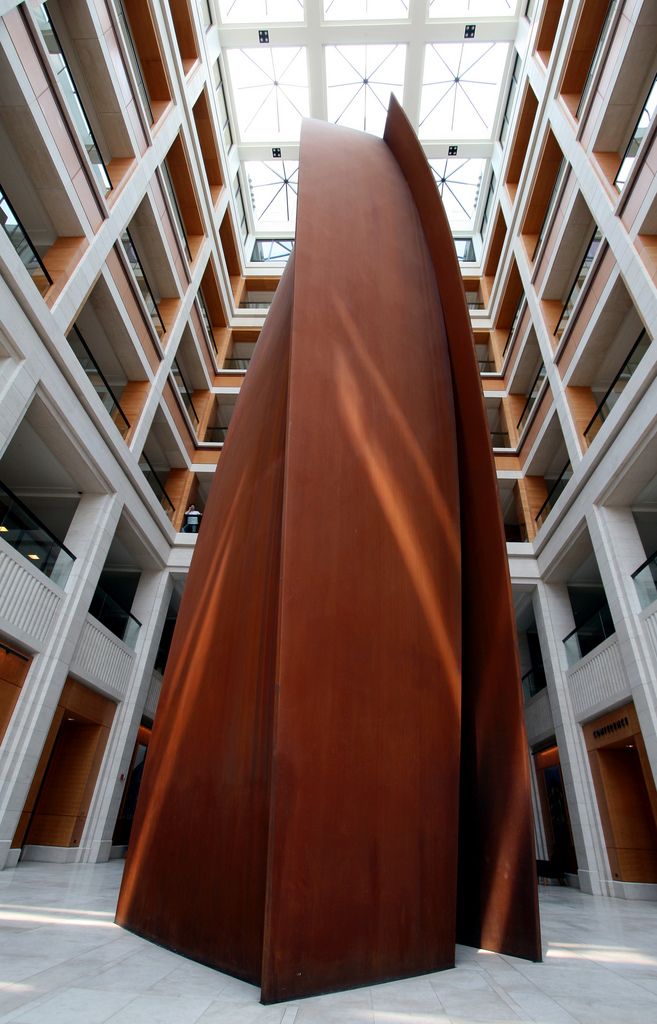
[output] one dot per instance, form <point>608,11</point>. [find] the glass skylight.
<point>273,187</point>
<point>261,11</point>
<point>359,81</point>
<point>340,60</point>
<point>459,182</point>
<point>270,86</point>
<point>461,89</point>
<point>272,250</point>
<point>481,8</point>
<point>361,10</point>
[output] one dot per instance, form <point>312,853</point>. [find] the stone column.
<point>89,537</point>
<point>619,551</point>
<point>150,607</point>
<point>554,620</point>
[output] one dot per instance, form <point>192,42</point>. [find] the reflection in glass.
<point>71,96</point>
<point>34,541</point>
<point>638,135</point>
<point>18,237</point>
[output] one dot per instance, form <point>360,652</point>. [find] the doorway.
<point>556,819</point>
<point>55,811</point>
<point>626,794</point>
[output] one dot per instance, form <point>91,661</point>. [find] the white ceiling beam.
<point>435,149</point>
<point>502,30</point>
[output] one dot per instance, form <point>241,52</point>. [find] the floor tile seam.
<point>619,974</point>
<point>126,1006</point>
<point>32,1004</point>
<point>519,1010</point>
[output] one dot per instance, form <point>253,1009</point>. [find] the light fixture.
<point>4,529</point>
<point>35,558</point>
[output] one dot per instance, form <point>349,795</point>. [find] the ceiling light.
<point>35,558</point>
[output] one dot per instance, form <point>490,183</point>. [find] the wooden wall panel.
<point>14,667</point>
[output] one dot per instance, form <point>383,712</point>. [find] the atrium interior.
<point>149,171</point>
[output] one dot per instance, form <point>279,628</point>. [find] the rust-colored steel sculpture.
<point>344,673</point>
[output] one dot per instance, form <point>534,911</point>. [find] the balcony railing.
<point>220,93</point>
<point>551,205</point>
<point>206,13</point>
<point>597,56</point>
<point>589,635</point>
<point>173,199</point>
<point>71,95</point>
<point>638,135</point>
<point>119,621</point>
<point>617,386</point>
<point>142,283</point>
<point>184,391</point>
<point>554,494</point>
<point>500,439</point>
<point>476,304</point>
<point>533,682</point>
<point>645,581</point>
<point>534,392</point>
<point>514,325</point>
<point>98,380</point>
<point>578,283</point>
<point>20,240</point>
<point>487,366</point>
<point>260,304</point>
<point>133,57</point>
<point>515,533</point>
<point>156,484</point>
<point>216,434</point>
<point>26,534</point>
<point>237,362</point>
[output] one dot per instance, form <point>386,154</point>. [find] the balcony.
<point>515,322</point>
<point>144,55</point>
<point>71,95</point>
<point>118,620</point>
<point>554,493</point>
<point>142,283</point>
<point>157,486</point>
<point>578,284</point>
<point>533,682</point>
<point>534,392</point>
<point>185,393</point>
<point>98,380</point>
<point>645,581</point>
<point>597,628</point>
<point>617,386</point>
<point>34,541</point>
<point>216,435</point>
<point>638,135</point>
<point>25,250</point>
<point>233,363</point>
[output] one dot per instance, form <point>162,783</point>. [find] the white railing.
<point>28,599</point>
<point>102,659</point>
<point>538,717</point>
<point>153,696</point>
<point>598,679</point>
<point>649,617</point>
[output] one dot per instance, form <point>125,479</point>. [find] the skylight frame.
<point>316,33</point>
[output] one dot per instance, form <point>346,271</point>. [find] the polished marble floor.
<point>64,961</point>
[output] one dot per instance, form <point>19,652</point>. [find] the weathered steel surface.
<point>298,824</point>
